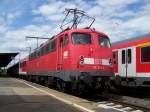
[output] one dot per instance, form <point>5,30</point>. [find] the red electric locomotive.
<point>132,61</point>
<point>76,58</point>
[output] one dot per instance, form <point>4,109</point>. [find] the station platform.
<point>19,96</point>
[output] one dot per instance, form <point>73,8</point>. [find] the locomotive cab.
<point>84,53</point>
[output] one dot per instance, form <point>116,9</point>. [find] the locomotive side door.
<point>60,53</point>
<point>127,62</point>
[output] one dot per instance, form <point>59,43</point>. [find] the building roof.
<point>6,58</point>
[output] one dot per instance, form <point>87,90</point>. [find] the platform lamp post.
<point>37,38</point>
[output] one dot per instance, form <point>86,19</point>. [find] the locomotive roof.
<point>132,41</point>
<point>71,31</point>
<point>81,30</point>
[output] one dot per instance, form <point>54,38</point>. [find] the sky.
<point>119,19</point>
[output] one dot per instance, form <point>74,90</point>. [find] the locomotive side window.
<point>81,38</point>
<point>104,41</point>
<point>66,41</point>
<point>123,57</point>
<point>38,53</point>
<point>53,45</point>
<point>42,51</point>
<point>129,56</point>
<point>145,54</point>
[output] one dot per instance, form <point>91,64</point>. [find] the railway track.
<point>126,103</point>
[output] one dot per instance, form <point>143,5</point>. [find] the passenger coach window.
<point>123,57</point>
<point>129,56</point>
<point>145,54</point>
<point>104,41</point>
<point>81,38</point>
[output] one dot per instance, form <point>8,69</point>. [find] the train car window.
<point>104,41</point>
<point>34,55</point>
<point>123,57</point>
<point>46,49</point>
<point>42,51</point>
<point>129,56</point>
<point>38,53</point>
<point>145,54</point>
<point>81,38</point>
<point>53,45</point>
<point>66,41</point>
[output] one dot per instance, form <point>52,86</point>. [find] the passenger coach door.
<point>127,62</point>
<point>122,62</point>
<point>131,62</point>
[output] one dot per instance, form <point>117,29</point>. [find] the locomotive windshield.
<point>104,41</point>
<point>81,38</point>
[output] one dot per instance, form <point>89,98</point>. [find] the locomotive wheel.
<point>41,80</point>
<point>81,87</point>
<point>113,87</point>
<point>46,83</point>
<point>30,78</point>
<point>62,86</point>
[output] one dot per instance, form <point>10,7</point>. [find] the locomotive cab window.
<point>104,41</point>
<point>81,38</point>
<point>145,54</point>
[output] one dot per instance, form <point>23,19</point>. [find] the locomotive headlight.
<point>81,60</point>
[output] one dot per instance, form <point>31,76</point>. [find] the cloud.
<point>119,19</point>
<point>13,15</point>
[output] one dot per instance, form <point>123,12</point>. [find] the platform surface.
<point>15,96</point>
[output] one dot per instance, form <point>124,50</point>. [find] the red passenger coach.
<point>132,61</point>
<point>23,66</point>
